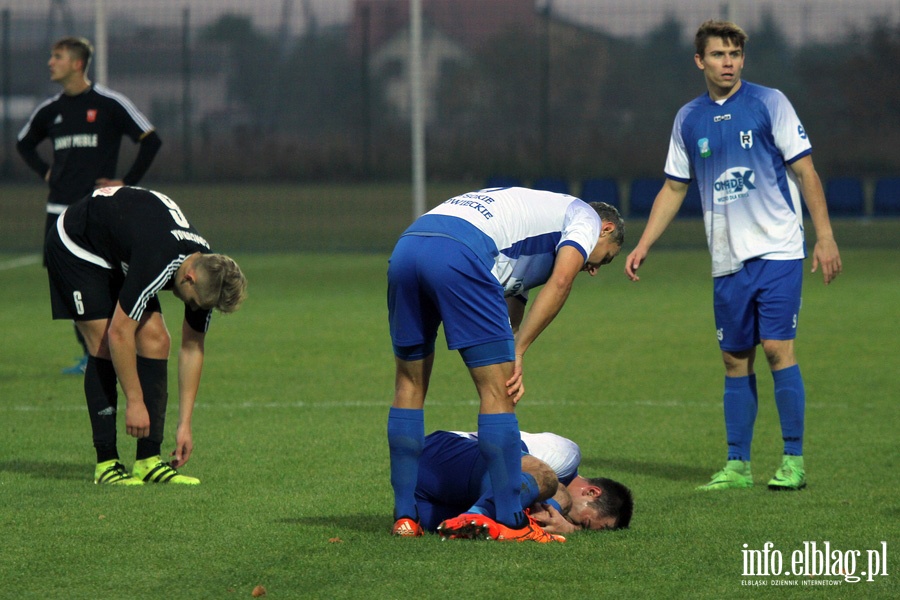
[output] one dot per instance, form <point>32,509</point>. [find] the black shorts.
<point>80,290</point>
<point>49,225</point>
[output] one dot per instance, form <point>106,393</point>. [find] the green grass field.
<point>291,448</point>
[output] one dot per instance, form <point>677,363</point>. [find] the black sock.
<point>154,376</point>
<point>100,393</point>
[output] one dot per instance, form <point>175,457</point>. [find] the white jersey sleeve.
<point>790,137</point>
<point>525,229</point>
<point>678,163</point>
<point>561,454</point>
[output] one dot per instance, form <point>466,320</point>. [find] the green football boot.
<point>112,472</point>
<point>790,475</point>
<point>154,470</point>
<point>736,474</point>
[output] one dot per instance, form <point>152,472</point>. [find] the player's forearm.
<point>190,368</point>
<point>149,146</point>
<point>546,306</point>
<point>665,207</point>
<point>550,300</point>
<point>563,498</point>
<point>814,196</point>
<point>28,152</point>
<point>122,350</point>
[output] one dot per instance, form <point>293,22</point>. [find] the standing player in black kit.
<point>85,124</point>
<point>108,256</point>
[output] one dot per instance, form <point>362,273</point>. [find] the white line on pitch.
<point>378,404</point>
<point>22,261</point>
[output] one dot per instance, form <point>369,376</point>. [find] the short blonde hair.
<point>222,285</point>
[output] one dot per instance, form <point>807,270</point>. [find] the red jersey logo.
<point>91,115</point>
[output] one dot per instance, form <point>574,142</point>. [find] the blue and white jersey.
<point>561,454</point>
<point>738,151</point>
<point>515,231</point>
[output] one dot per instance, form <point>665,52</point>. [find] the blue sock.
<point>790,398</point>
<point>406,437</point>
<point>501,448</point>
<point>528,493</point>
<point>740,415</point>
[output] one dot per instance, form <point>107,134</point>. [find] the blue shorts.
<point>450,471</point>
<point>452,477</point>
<point>759,302</point>
<point>434,280</point>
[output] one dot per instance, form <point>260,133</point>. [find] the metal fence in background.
<point>319,90</point>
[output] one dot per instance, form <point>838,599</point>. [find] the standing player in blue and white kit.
<point>750,155</point>
<point>469,263</point>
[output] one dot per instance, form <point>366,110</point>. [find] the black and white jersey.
<point>139,233</point>
<point>86,133</point>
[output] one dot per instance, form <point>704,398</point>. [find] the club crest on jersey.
<point>703,144</point>
<point>91,115</point>
<point>747,139</point>
<point>801,132</point>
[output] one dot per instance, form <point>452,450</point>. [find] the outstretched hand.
<point>633,263</point>
<point>184,445</point>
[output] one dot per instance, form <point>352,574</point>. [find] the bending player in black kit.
<point>85,124</point>
<point>108,257</point>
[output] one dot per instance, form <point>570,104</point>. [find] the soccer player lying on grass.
<point>108,257</point>
<point>468,265</point>
<point>454,496</point>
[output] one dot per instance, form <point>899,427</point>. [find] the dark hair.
<point>610,213</point>
<point>726,30</point>
<point>80,49</point>
<point>616,501</point>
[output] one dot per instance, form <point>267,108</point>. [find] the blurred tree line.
<point>562,100</point>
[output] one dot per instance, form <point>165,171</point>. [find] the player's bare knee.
<point>152,339</point>
<point>738,363</point>
<point>779,353</point>
<point>95,337</point>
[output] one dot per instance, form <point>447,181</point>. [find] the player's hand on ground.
<point>184,446</point>
<point>826,253</point>
<point>137,420</point>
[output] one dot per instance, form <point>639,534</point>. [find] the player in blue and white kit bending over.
<point>750,155</point>
<point>453,481</point>
<point>469,263</point>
